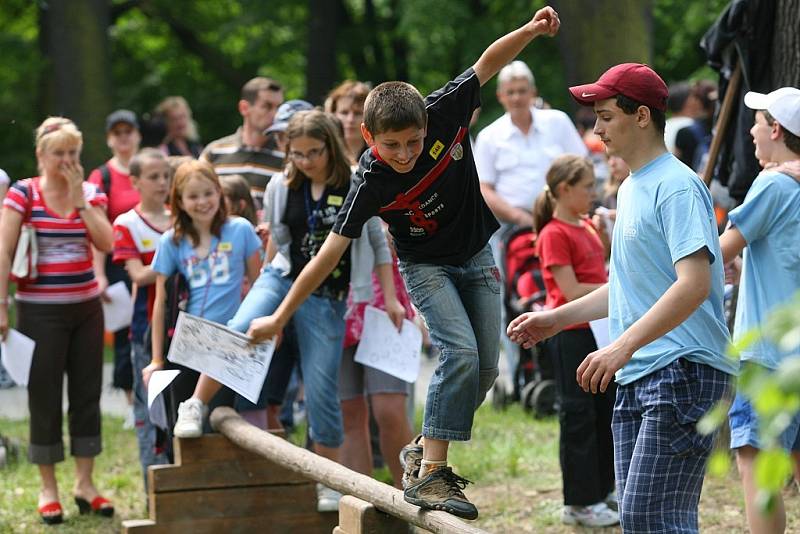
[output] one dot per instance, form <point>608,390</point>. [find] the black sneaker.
<point>441,490</point>
<point>411,460</point>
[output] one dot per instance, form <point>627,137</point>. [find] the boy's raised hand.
<point>546,22</point>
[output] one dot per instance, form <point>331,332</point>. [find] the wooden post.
<point>383,497</point>
<point>722,122</point>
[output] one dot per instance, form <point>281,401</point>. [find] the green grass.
<point>117,476</point>
<point>512,458</point>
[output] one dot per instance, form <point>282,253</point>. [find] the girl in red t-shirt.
<point>572,255</point>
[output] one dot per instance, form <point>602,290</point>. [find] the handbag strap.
<point>30,190</point>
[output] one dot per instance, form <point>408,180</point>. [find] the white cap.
<point>783,104</point>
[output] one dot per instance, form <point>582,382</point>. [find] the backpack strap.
<point>105,173</point>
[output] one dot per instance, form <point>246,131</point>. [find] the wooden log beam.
<point>385,498</point>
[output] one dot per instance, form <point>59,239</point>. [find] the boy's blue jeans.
<point>319,323</point>
<point>461,306</point>
<point>145,430</point>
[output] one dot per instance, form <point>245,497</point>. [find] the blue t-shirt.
<point>769,220</point>
<point>665,213</point>
<point>215,282</point>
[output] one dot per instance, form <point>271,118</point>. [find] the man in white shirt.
<point>514,152</point>
<point>513,155</point>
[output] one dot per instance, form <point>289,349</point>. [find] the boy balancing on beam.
<point>419,176</point>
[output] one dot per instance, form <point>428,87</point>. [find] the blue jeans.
<point>659,456</point>
<point>461,306</point>
<point>319,323</point>
<point>145,430</point>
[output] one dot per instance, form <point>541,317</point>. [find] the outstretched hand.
<point>546,22</point>
<point>530,328</point>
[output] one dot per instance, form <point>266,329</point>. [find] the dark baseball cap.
<point>285,112</point>
<point>634,80</point>
<point>121,115</point>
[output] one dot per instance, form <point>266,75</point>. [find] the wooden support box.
<point>216,486</point>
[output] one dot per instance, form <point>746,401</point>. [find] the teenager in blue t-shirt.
<point>766,227</point>
<point>664,302</point>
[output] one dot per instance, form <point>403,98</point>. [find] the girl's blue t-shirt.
<point>215,282</point>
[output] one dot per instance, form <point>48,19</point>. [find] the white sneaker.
<point>596,515</point>
<point>327,499</point>
<point>190,419</point>
<point>130,421</point>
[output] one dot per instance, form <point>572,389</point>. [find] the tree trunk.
<point>602,33</point>
<point>786,44</point>
<point>323,22</point>
<point>76,80</point>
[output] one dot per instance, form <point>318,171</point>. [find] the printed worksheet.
<point>386,349</point>
<point>601,334</point>
<point>156,406</point>
<point>17,356</point>
<point>117,313</point>
<point>225,355</point>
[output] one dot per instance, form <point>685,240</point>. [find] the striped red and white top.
<point>64,265</point>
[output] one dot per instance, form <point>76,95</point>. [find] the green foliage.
<point>775,397</point>
<point>204,51</point>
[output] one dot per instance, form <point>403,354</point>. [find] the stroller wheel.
<point>540,398</point>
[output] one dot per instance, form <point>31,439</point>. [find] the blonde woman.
<point>60,310</point>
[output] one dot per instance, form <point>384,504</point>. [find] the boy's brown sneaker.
<point>440,489</point>
<point>411,460</point>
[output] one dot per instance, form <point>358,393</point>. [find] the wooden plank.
<point>209,448</point>
<point>333,475</point>
<point>259,501</point>
<point>276,524</point>
<point>234,473</point>
<point>361,517</point>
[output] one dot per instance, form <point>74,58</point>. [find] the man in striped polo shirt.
<point>248,151</point>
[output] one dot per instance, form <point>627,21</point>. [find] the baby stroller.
<point>532,382</point>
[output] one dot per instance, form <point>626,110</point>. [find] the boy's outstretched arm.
<point>309,279</point>
<point>506,48</point>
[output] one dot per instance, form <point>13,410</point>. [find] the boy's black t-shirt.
<point>301,213</point>
<point>436,213</point>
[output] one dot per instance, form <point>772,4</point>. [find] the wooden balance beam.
<point>248,480</point>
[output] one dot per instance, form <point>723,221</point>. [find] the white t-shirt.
<point>4,179</point>
<point>516,163</point>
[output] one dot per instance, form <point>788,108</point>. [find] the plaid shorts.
<point>659,458</point>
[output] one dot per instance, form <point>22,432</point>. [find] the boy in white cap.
<point>664,303</point>
<point>766,227</point>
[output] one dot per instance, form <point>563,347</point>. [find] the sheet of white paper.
<point>221,353</point>
<point>386,349</point>
<point>17,356</point>
<point>159,381</point>
<point>117,313</point>
<point>601,333</point>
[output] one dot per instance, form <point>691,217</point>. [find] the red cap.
<point>634,80</point>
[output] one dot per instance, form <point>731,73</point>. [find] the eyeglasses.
<point>311,155</point>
